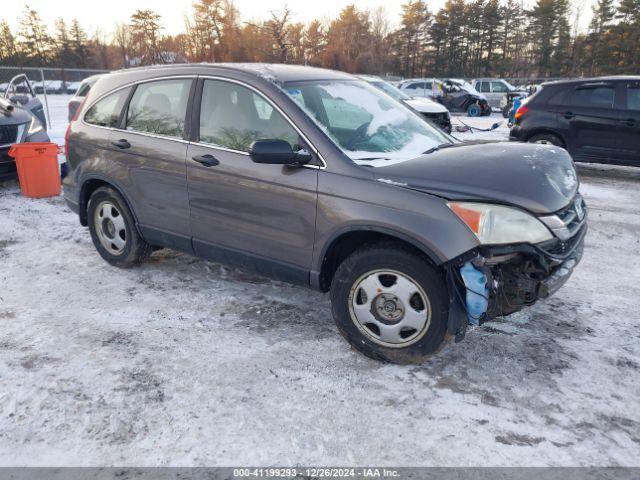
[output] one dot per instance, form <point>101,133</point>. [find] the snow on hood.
<point>423,104</point>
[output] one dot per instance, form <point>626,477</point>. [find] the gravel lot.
<point>185,362</point>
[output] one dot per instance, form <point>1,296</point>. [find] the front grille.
<point>562,248</point>
<point>573,216</point>
<point>8,134</point>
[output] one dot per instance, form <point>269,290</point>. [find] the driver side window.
<point>233,116</point>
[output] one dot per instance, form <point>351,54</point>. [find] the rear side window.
<point>484,87</point>
<point>106,112</point>
<point>633,96</point>
<point>83,90</point>
<point>159,107</point>
<point>499,87</point>
<point>598,96</point>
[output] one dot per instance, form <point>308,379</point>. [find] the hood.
<point>425,105</point>
<point>11,114</point>
<point>537,178</point>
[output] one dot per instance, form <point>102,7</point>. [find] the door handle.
<point>568,115</point>
<point>206,160</point>
<point>122,143</point>
<point>630,122</point>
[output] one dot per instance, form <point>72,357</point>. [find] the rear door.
<point>150,144</point>
<point>628,131</point>
<point>258,216</point>
<point>587,116</point>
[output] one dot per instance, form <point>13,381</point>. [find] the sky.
<point>104,14</point>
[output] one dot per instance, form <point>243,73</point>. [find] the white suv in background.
<point>498,91</point>
<point>432,111</point>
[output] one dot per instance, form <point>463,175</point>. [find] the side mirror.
<point>277,152</point>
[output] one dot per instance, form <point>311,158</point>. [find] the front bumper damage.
<point>508,278</point>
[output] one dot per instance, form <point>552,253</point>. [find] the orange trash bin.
<point>37,168</point>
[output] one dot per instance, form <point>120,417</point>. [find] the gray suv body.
<point>314,177</point>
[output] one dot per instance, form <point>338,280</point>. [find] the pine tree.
<point>35,40</point>
<point>145,31</point>
<point>79,47</point>
<point>603,14</point>
<point>7,44</point>
<point>63,50</point>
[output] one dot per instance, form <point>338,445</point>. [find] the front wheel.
<point>474,110</point>
<point>390,304</point>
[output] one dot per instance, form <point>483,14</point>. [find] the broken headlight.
<point>35,126</point>
<point>497,224</point>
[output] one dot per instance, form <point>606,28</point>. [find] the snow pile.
<point>187,362</point>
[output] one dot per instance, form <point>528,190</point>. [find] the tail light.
<point>522,111</point>
<point>66,134</point>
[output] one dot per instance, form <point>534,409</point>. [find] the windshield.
<point>364,122</point>
<point>467,87</point>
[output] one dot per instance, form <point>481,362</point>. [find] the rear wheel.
<point>474,110</point>
<point>547,139</point>
<point>390,304</point>
<point>113,229</point>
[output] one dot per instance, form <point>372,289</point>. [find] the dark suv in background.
<point>596,120</point>
<point>318,178</point>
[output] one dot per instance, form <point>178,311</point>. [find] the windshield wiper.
<point>438,147</point>
<point>372,158</point>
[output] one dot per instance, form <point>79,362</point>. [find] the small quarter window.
<point>106,112</point>
<point>595,96</point>
<point>159,107</point>
<point>633,96</point>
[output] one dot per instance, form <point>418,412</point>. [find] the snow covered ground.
<point>186,362</point>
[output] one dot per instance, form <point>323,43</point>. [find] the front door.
<point>259,216</point>
<point>628,132</point>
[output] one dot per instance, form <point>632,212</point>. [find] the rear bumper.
<point>70,193</point>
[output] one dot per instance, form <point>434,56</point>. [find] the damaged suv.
<point>318,178</point>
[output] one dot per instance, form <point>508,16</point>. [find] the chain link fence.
<point>47,81</point>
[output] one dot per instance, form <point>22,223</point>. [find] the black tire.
<point>474,110</point>
<point>548,138</point>
<point>135,249</point>
<point>416,268</point>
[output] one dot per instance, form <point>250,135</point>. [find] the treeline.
<point>466,38</point>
